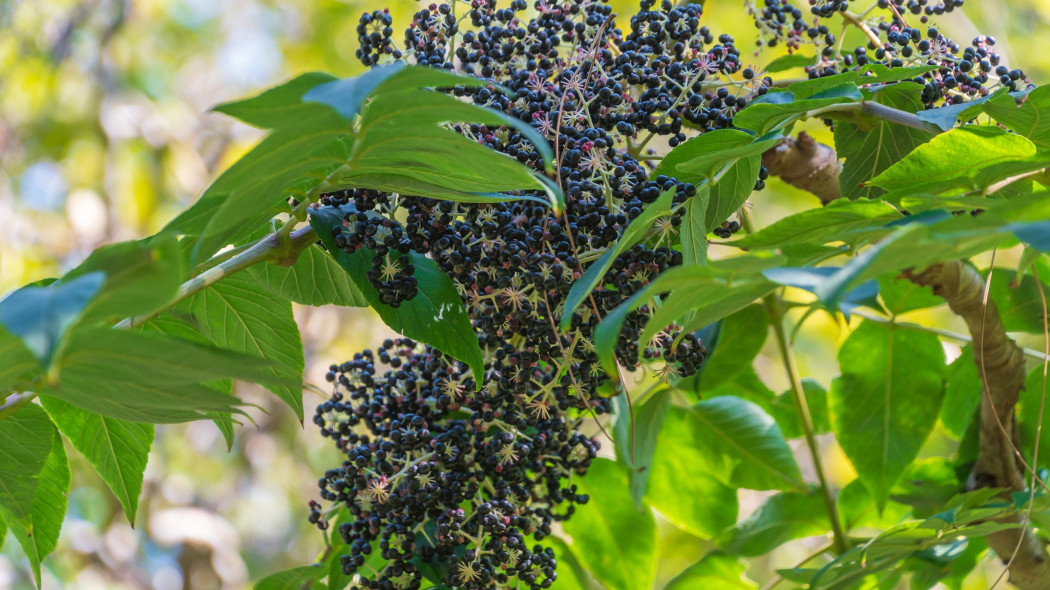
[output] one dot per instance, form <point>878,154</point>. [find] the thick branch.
<point>808,165</point>
<point>1002,367</point>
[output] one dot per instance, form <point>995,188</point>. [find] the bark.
<point>814,167</point>
<point>806,164</point>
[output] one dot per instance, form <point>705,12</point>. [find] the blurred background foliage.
<point>105,134</point>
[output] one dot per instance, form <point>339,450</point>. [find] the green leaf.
<point>435,316</point>
<point>19,366</point>
<point>3,532</point>
<point>1030,119</point>
<point>788,62</point>
<point>962,393</point>
<point>610,538</point>
<point>636,438</point>
<point>595,273</point>
<point>1020,306</point>
<point>291,579</point>
<point>901,296</point>
<point>959,153</point>
<point>1028,414</point>
<point>714,570</point>
<point>831,284</point>
<point>681,486</point>
<point>927,486</point>
<point>280,106</point>
<point>700,158</point>
<point>744,445</point>
<point>34,466</point>
<point>841,220</point>
<point>238,315</point>
<point>141,277</point>
<point>779,519</point>
<point>40,316</point>
<point>571,575</point>
<point>945,117</point>
<point>28,438</point>
<point>858,510</point>
<point>764,117</point>
<point>783,409</point>
<point>314,279</point>
<point>732,190</point>
<point>868,152</point>
<point>694,229</point>
<point>743,335</point>
<point>117,449</point>
<point>886,402</point>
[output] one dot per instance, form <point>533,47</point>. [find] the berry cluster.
<point>895,41</point>
<point>443,475</point>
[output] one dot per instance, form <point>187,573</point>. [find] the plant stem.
<point>776,315</point>
<point>262,250</point>
<point>775,307</point>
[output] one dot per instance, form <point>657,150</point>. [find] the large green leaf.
<point>117,449</point>
<point>714,570</point>
<point>886,402</point>
<point>959,153</point>
<point>840,221</point>
<point>743,445</point>
<point>40,316</point>
<point>595,273</point>
<point>314,279</point>
<point>1030,119</point>
<point>240,315</point>
<point>867,152</point>
<point>610,537</point>
<point>636,436</point>
<point>280,106</point>
<point>681,485</point>
<point>141,277</point>
<point>858,510</point>
<point>743,335</point>
<point>435,316</point>
<point>901,296</point>
<point>779,519</point>
<point>34,482</point>
<point>291,579</point>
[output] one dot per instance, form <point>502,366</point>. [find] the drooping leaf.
<point>702,157</point>
<point>788,62</point>
<point>945,117</point>
<point>610,537</point>
<point>744,445</point>
<point>694,229</point>
<point>714,570</point>
<point>636,437</point>
<point>37,472</point>
<point>886,402</point>
<point>683,488</point>
<point>840,220</point>
<point>291,579</point>
<point>435,316</point>
<point>280,106</point>
<point>117,449</point>
<point>314,279</point>
<point>764,116</point>
<point>595,273</point>
<point>742,337</point>
<point>144,377</point>
<point>829,284</point>
<point>779,519</point>
<point>40,316</point>
<point>868,152</point>
<point>240,315</point>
